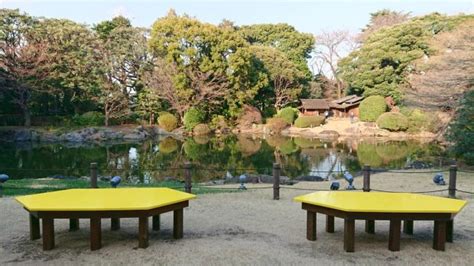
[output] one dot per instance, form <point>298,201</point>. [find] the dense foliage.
<point>462,130</point>
<point>371,108</point>
<point>289,114</point>
<point>381,65</point>
<point>167,121</point>
<point>393,121</point>
<point>192,117</point>
<point>309,121</point>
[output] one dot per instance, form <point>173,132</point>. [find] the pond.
<point>213,157</point>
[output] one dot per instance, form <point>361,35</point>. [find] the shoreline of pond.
<point>133,133</point>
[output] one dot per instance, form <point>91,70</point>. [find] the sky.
<point>305,15</point>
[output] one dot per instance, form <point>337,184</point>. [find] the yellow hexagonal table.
<point>371,206</point>
<point>97,204</point>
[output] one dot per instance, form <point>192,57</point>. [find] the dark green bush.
<point>201,129</point>
<point>167,121</point>
<point>309,121</point>
<point>371,108</point>
<point>276,124</point>
<point>289,114</point>
<point>89,119</point>
<point>192,117</point>
<point>393,121</point>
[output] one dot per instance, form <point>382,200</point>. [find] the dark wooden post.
<point>187,177</point>
<point>276,181</point>
<point>452,181</point>
<point>93,175</point>
<point>366,170</point>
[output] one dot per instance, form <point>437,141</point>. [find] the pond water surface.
<point>212,157</point>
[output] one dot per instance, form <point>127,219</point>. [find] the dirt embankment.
<point>335,128</point>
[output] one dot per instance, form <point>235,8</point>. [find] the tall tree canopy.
<point>382,63</point>
<point>296,45</point>
<point>213,63</point>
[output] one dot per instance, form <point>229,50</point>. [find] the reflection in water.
<point>211,157</point>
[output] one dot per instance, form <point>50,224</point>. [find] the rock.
<point>111,134</point>
<point>330,134</point>
<point>72,137</point>
<point>22,135</point>
<point>48,137</point>
<point>135,136</point>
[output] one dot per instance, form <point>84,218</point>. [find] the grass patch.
<point>18,187</point>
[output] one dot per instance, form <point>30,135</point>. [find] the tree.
<point>285,78</point>
<point>124,56</point>
<point>104,28</point>
<point>462,129</point>
<point>73,64</point>
<point>381,65</point>
<point>380,19</point>
<point>296,45</point>
<point>329,49</point>
<point>22,57</point>
<point>441,80</point>
<point>208,62</point>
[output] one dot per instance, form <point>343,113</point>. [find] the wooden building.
<point>314,106</point>
<point>342,107</point>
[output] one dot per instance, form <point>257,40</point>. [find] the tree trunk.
<point>106,119</point>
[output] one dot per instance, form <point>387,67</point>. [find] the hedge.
<point>309,121</point>
<point>393,122</point>
<point>192,117</point>
<point>371,108</point>
<point>289,114</point>
<point>167,121</point>
<point>277,124</point>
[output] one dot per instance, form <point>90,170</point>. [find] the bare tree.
<point>440,80</point>
<point>329,49</point>
<point>205,89</point>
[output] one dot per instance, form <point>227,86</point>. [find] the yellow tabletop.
<point>352,201</point>
<point>108,199</point>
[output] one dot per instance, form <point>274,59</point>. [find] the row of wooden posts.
<point>276,179</point>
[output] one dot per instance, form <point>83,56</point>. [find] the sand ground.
<point>247,228</point>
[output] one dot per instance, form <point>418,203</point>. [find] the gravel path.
<point>245,228</point>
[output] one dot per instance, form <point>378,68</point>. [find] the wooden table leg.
<point>96,234</point>
<point>114,224</point>
<point>449,231</point>
<point>439,235</point>
<point>143,232</point>
<point>48,233</point>
<point>34,227</point>
<point>408,227</point>
<point>156,223</point>
<point>394,235</point>
<point>311,225</point>
<point>329,223</point>
<point>370,226</point>
<point>178,224</point>
<point>73,225</point>
<point>349,234</point>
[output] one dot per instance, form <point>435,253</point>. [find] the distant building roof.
<point>320,104</point>
<point>346,102</point>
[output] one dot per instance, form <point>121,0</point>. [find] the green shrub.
<point>371,108</point>
<point>289,114</point>
<point>218,122</point>
<point>201,129</point>
<point>277,124</point>
<point>192,117</point>
<point>89,119</point>
<point>393,121</point>
<point>167,121</point>
<point>309,121</point>
<point>421,121</point>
